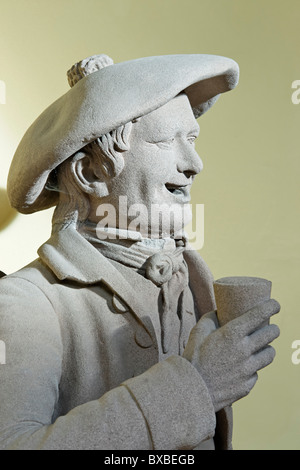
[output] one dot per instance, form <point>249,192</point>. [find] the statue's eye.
<point>191,139</point>
<point>165,143</point>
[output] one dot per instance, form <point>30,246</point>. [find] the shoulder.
<point>24,303</point>
<point>28,280</point>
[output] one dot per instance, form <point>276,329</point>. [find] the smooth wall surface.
<point>249,145</point>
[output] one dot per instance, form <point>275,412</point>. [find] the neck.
<point>97,234</point>
<point>126,246</point>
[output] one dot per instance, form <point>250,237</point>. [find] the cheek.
<point>152,159</point>
<point>157,175</point>
<point>146,170</point>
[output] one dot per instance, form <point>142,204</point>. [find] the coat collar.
<point>73,258</point>
<point>70,256</point>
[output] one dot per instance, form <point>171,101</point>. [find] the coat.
<point>83,368</point>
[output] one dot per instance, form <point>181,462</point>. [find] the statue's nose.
<point>190,163</point>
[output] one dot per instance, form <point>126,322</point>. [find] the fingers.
<point>240,390</point>
<point>251,320</point>
<point>262,337</point>
<point>261,359</point>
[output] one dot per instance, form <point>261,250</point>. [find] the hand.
<point>229,357</point>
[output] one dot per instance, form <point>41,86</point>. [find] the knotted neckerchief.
<point>159,260</point>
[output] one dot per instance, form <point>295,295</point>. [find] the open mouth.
<point>180,192</point>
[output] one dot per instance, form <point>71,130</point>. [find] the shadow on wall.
<point>7,213</point>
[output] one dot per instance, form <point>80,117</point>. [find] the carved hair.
<point>105,151</point>
<point>87,66</point>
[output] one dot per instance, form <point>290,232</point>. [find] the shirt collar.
<point>71,256</point>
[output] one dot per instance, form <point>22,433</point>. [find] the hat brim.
<point>103,101</point>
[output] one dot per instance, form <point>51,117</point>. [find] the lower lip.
<point>181,195</point>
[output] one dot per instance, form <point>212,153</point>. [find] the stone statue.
<point>112,338</point>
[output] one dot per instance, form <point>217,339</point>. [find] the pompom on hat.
<point>104,96</point>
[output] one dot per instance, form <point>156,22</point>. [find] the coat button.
<point>119,305</point>
<point>142,338</point>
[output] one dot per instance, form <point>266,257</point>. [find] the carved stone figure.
<point>112,338</point>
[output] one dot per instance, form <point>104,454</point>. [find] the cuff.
<point>175,403</point>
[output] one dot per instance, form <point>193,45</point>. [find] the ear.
<point>87,177</point>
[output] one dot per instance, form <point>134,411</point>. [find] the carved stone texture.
<point>236,295</point>
<point>111,335</point>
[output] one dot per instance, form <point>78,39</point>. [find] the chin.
<point>168,220</point>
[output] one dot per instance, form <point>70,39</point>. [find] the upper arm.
<point>29,379</point>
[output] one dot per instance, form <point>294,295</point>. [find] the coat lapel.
<point>72,257</point>
<point>201,282</point>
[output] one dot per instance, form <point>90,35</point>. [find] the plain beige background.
<point>249,145</point>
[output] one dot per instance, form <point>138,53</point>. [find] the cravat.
<point>169,271</point>
<point>159,260</point>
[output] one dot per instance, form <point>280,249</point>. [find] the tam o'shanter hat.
<point>104,96</point>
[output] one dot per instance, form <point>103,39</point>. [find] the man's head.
<point>120,114</point>
<point>151,162</point>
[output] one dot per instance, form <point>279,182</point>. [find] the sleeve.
<point>167,407</point>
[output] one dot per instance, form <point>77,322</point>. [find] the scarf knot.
<point>160,267</point>
<point>159,260</point>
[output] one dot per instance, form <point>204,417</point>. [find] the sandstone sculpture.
<point>112,338</point>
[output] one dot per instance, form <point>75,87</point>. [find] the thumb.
<point>205,326</point>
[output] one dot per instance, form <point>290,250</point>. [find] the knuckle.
<point>250,368</point>
<point>246,345</point>
<point>228,331</point>
<point>250,383</point>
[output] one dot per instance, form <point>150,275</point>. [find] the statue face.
<point>159,170</point>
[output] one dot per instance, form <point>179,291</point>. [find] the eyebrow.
<point>193,130</point>
<point>161,134</point>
